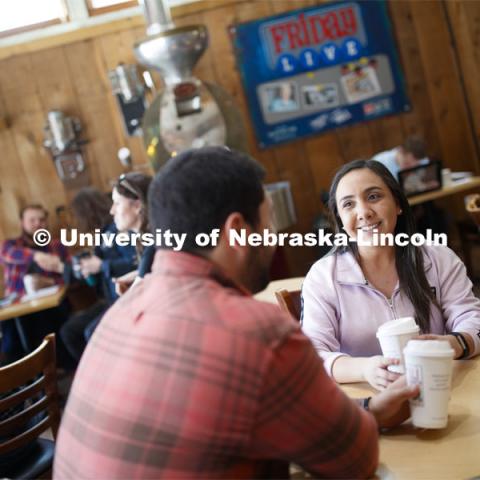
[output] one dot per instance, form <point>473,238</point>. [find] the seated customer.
<point>351,292</point>
<point>21,256</point>
<point>130,214</point>
<point>91,209</point>
<point>411,154</point>
<point>188,376</point>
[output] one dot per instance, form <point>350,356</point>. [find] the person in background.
<point>348,294</point>
<point>188,376</point>
<point>91,209</point>
<point>284,99</point>
<point>129,211</point>
<point>21,256</point>
<point>411,154</point>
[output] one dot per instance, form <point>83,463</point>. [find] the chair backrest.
<point>472,206</point>
<point>29,397</point>
<point>290,301</point>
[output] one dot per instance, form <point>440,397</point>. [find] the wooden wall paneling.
<point>386,133</point>
<point>281,6</point>
<point>84,70</point>
<point>245,12</point>
<point>325,158</point>
<point>91,93</point>
<point>419,120</point>
<point>444,86</point>
<point>292,163</point>
<point>38,181</point>
<point>464,19</point>
<point>355,142</point>
<point>56,92</point>
<point>12,195</point>
<point>107,124</point>
<point>116,48</point>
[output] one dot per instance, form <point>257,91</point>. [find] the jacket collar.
<point>349,271</point>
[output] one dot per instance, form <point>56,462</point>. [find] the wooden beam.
<point>94,31</point>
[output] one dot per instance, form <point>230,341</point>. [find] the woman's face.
<point>126,212</point>
<point>364,202</point>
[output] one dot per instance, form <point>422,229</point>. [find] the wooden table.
<point>455,187</point>
<point>268,295</point>
<point>19,309</point>
<point>410,453</point>
<point>454,452</point>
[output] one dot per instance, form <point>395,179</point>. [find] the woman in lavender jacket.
<point>348,294</point>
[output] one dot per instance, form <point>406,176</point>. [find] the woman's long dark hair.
<point>91,208</point>
<point>408,259</point>
<point>134,185</point>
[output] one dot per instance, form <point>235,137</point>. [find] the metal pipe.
<point>157,15</point>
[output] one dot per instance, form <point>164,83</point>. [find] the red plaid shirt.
<point>16,256</point>
<point>187,376</point>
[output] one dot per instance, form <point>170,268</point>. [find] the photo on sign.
<point>421,179</point>
<point>282,97</point>
<point>360,84</point>
<point>320,96</point>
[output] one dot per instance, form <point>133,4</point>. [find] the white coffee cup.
<point>446,177</point>
<point>30,283</point>
<point>429,364</point>
<point>394,336</point>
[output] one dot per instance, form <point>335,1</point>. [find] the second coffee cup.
<point>429,364</point>
<point>394,336</point>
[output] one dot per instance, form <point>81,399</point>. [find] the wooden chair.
<point>290,302</point>
<point>28,407</point>
<point>469,233</point>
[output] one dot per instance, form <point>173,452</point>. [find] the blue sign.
<point>311,70</point>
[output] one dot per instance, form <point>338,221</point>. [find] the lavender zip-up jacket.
<point>342,312</point>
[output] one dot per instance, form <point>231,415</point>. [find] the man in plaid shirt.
<point>188,376</point>
<point>20,256</point>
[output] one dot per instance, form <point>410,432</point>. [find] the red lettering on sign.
<point>294,39</point>
<point>330,26</point>
<point>314,29</point>
<point>277,36</point>
<point>349,21</point>
<point>303,25</point>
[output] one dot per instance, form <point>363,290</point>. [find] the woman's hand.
<point>446,338</point>
<point>90,265</point>
<point>376,374</point>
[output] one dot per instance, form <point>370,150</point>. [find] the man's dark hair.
<point>198,189</point>
<point>416,146</point>
<point>33,206</point>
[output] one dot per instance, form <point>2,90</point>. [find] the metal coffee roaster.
<point>188,113</point>
<point>62,139</point>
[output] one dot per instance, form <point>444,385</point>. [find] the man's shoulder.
<point>255,318</point>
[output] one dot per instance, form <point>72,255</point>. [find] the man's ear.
<point>237,223</point>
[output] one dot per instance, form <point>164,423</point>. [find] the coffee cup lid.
<point>429,348</point>
<point>398,327</point>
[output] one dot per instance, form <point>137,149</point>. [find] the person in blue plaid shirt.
<point>20,256</point>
